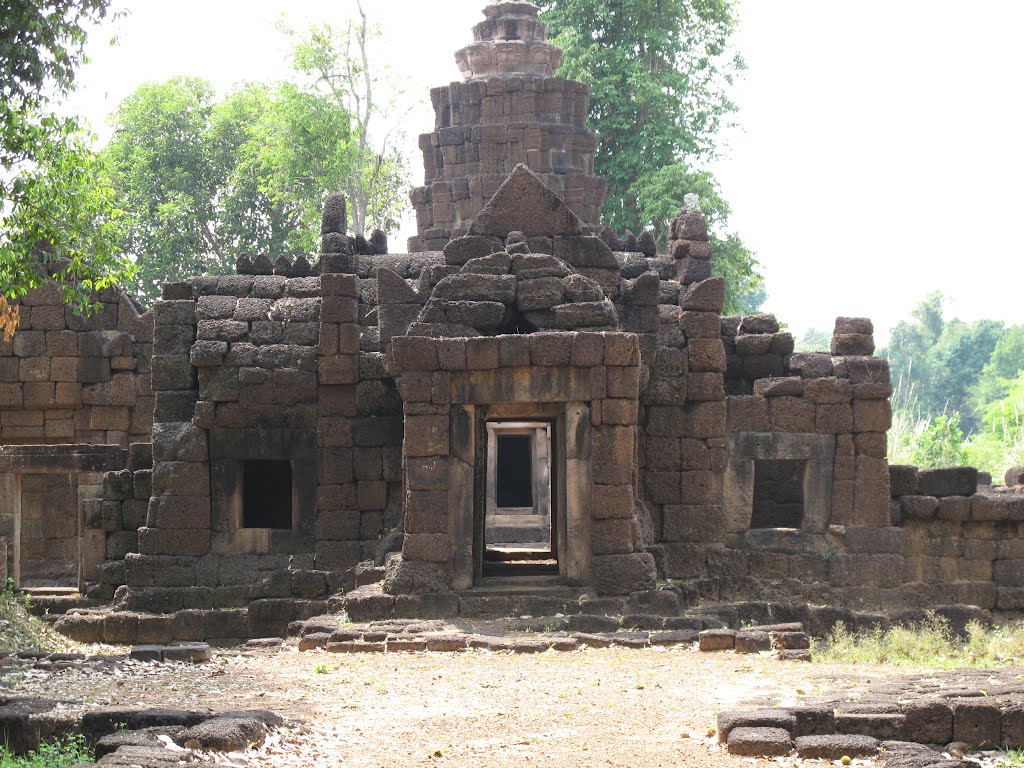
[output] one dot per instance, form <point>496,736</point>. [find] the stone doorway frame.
<point>570,485</point>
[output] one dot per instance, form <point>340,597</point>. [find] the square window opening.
<point>778,494</point>
<point>267,495</point>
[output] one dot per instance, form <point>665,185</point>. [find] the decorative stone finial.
<point>510,41</point>
<point>691,203</point>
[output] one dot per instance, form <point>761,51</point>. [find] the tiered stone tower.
<point>510,110</point>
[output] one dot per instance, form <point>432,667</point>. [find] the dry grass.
<point>21,631</point>
<point>930,644</point>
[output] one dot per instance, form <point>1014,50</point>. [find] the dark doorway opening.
<point>515,471</point>
<point>518,520</point>
<point>778,494</point>
<point>267,495</point>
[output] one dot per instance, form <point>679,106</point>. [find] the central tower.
<point>510,110</point>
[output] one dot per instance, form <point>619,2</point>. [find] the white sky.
<point>879,157</point>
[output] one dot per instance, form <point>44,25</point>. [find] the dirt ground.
<point>594,707</point>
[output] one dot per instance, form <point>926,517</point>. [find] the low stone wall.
<point>957,533</point>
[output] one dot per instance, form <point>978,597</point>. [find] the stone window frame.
<point>747,448</point>
<point>229,450</point>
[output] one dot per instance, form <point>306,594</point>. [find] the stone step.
<point>518,534</point>
<point>59,605</point>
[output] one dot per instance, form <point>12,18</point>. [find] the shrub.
<point>64,753</point>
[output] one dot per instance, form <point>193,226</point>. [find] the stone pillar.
<point>431,513</point>
<point>177,532</point>
<point>690,245</point>
<point>338,515</point>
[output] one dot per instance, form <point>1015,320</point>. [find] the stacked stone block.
<point>509,111</point>
<point>684,429</point>
<point>112,514</point>
<point>690,246</point>
<point>67,379</point>
<point>163,573</point>
<point>755,349</point>
<point>962,540</point>
<point>445,381</point>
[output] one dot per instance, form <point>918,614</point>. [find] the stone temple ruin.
<point>527,413</point>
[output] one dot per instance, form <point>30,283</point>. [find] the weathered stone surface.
<point>836,746</point>
<point>622,574</point>
<point>760,742</point>
<point>523,203</point>
<point>717,640</point>
<point>706,296</point>
<point>473,287</point>
<point>951,481</point>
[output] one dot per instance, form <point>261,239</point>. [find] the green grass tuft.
<point>64,753</point>
<point>929,644</point>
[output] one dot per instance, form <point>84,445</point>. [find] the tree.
<point>57,218</point>
<point>942,361</point>
<point>657,199</point>
<point>659,72</point>
<point>203,180</point>
<point>814,340</point>
<point>337,65</point>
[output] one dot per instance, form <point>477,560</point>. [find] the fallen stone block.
<point>717,640</point>
<point>760,742</point>
<point>754,718</point>
<point>836,746</point>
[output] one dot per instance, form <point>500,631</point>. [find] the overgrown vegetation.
<point>72,750</point>
<point>56,199</point>
<point>929,644</point>
<point>959,391</point>
<point>21,631</point>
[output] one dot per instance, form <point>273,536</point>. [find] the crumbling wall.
<point>112,515</point>
<point>67,379</point>
<point>264,367</point>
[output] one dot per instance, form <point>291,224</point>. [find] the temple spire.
<point>510,41</point>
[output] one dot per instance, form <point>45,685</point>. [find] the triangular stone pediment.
<point>524,203</point>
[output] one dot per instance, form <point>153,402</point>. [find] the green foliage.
<point>814,340</point>
<point>659,72</point>
<point>939,444</point>
<point>55,199</point>
<point>64,753</point>
<point>943,360</point>
<point>929,644</point>
<point>919,439</point>
<point>204,180</point>
<point>957,378</point>
<point>657,196</point>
